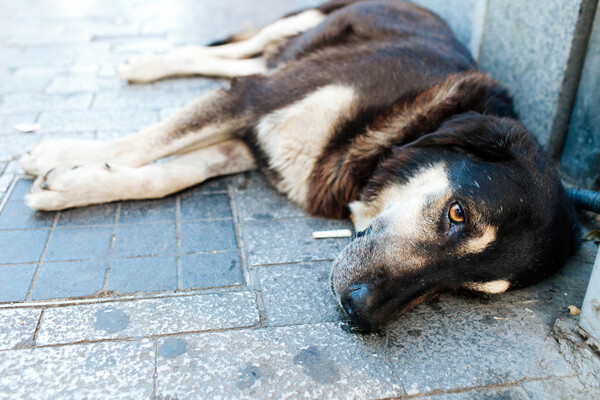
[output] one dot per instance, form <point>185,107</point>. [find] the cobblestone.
<point>160,316</point>
<point>220,290</point>
<point>18,327</point>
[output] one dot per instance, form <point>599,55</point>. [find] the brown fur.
<point>341,171</point>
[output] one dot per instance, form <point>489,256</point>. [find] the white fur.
<point>136,150</point>
<point>228,60</point>
<point>403,203</point>
<point>293,137</point>
<point>479,244</point>
<point>278,30</point>
<point>492,287</point>
<point>101,183</point>
<point>187,61</point>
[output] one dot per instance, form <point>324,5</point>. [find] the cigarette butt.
<point>338,233</point>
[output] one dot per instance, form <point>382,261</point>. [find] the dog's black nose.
<point>355,302</point>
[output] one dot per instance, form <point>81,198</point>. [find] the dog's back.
<point>381,61</point>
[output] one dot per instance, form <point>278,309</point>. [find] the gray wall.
<point>580,162</point>
<point>537,48</point>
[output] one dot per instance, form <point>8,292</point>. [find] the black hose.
<point>584,199</point>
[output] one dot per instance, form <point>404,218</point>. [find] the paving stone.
<point>211,270</point>
<point>145,240</point>
<point>15,281</point>
<point>8,122</point>
<point>501,393</point>
<point>16,215</point>
<point>290,240</point>
<point>91,120</point>
<point>587,252</point>
<point>259,200</point>
<point>162,210</point>
<point>98,370</point>
<point>5,181</point>
<point>14,145</point>
<point>299,293</point>
<point>27,102</point>
<point>20,190</point>
<point>558,291</point>
<point>126,319</point>
<point>103,214</point>
<point>208,236</point>
<point>209,206</point>
<point>144,274</point>
<point>215,185</point>
<point>13,167</point>
<point>196,85</point>
<point>316,361</point>
<point>142,46</point>
<point>79,243</point>
<point>112,134</point>
<point>14,85</point>
<point>558,388</point>
<point>577,269</point>
<point>17,327</point>
<point>461,347</point>
<point>88,69</point>
<point>22,246</point>
<point>80,84</point>
<point>133,100</point>
<point>69,279</point>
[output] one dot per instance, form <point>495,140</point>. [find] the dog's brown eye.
<point>456,214</point>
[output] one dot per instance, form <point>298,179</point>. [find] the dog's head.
<point>475,204</point>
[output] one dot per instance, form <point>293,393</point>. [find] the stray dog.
<point>371,109</point>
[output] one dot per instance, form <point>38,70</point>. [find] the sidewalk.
<point>219,291</point>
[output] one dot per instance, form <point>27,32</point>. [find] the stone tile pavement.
<point>219,291</point>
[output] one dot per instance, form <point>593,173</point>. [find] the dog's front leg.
<point>100,183</point>
<point>210,119</point>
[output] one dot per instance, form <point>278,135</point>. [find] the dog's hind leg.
<point>209,120</point>
<point>211,60</point>
<point>100,183</point>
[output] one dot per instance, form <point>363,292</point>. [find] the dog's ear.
<point>487,137</point>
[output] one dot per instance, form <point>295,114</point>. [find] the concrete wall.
<point>465,17</point>
<point>580,162</point>
<point>537,48</point>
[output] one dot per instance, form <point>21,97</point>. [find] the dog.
<point>367,109</point>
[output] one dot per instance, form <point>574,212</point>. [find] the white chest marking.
<point>294,137</point>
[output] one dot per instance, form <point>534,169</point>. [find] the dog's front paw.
<point>62,188</point>
<point>54,153</point>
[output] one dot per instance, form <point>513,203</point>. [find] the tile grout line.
<point>239,236</point>
<point>243,252</point>
<point>41,260</point>
<point>37,328</point>
<point>113,238</point>
<point>178,241</point>
<point>155,375</point>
